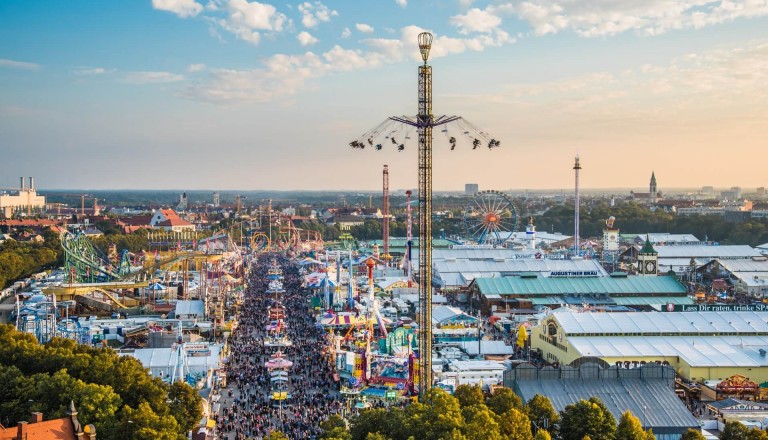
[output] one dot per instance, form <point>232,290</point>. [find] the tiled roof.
<point>56,429</point>
<point>175,221</point>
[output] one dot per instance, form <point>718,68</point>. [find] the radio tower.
<point>576,168</point>
<point>385,208</point>
<point>424,122</point>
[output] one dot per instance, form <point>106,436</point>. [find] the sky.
<point>239,94</point>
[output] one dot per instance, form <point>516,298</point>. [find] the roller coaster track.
<point>87,264</point>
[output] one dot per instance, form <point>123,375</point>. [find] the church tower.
<point>647,259</point>
<point>653,190</point>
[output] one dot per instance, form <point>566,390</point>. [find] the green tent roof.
<point>631,285</point>
<point>651,300</point>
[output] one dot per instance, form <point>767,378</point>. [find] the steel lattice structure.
<point>399,127</point>
<point>87,264</point>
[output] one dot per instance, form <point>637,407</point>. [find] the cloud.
<point>476,20</point>
<point>697,85</point>
<point>314,13</point>
<point>195,67</point>
<point>182,8</point>
<point>645,17</point>
<point>92,71</point>
<point>364,28</point>
<point>402,3</point>
<point>306,39</point>
<point>285,75</point>
<point>11,64</point>
<point>246,20</point>
<point>346,33</point>
<point>148,77</point>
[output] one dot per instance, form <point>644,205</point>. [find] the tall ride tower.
<point>385,213</point>
<point>576,168</point>
<point>424,122</point>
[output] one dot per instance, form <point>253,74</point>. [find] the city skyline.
<point>232,94</point>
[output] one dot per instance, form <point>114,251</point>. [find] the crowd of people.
<point>313,396</point>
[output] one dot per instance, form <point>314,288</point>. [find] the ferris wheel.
<point>490,218</point>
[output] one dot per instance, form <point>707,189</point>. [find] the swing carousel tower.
<point>424,122</point>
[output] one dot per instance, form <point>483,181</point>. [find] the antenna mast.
<point>576,168</point>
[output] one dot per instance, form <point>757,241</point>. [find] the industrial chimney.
<point>31,183</point>
<point>21,183</point>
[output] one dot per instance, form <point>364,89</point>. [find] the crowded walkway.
<point>247,410</point>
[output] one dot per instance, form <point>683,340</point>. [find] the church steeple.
<point>653,183</point>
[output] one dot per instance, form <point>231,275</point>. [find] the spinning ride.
<point>490,218</point>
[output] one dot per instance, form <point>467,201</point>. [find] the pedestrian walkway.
<point>247,410</point>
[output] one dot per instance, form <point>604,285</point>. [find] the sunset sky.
<point>237,94</point>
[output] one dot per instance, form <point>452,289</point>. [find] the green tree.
<point>515,425</point>
<point>480,423</point>
<point>441,416</point>
<point>185,405</point>
<point>541,412</point>
<point>587,417</point>
<point>335,428</point>
<point>502,400</point>
<point>757,434</point>
<point>389,423</point>
<point>469,395</point>
<point>734,431</point>
<point>630,428</point>
<point>693,434</point>
<point>376,436</point>
<point>542,434</point>
<point>143,423</point>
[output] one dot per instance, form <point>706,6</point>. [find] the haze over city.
<point>184,94</point>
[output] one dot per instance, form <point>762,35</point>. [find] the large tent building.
<point>647,391</point>
<point>617,290</point>
<point>701,346</point>
<point>452,273</point>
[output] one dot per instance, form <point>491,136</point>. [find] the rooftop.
<point>663,323</point>
<point>630,285</point>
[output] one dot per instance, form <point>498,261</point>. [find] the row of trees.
<point>115,393</point>
<point>469,414</point>
<point>632,217</point>
<point>21,259</point>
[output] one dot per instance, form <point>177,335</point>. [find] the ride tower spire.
<point>399,127</point>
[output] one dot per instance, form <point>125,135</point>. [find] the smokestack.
<point>576,168</point>
<point>31,183</point>
<point>21,183</point>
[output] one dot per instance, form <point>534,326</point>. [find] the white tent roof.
<point>696,351</point>
<point>454,272</point>
<point>193,307</point>
<point>442,313</point>
<point>703,251</point>
<point>487,347</point>
<point>671,323</point>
